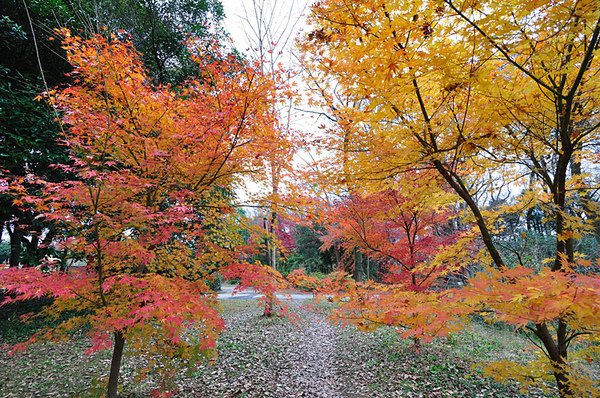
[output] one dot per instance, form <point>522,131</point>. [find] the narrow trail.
<point>270,357</point>
<point>310,370</point>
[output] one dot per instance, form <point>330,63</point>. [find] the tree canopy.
<point>456,177</point>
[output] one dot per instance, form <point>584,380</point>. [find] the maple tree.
<point>467,89</point>
<point>30,141</point>
<point>402,230</point>
<point>262,279</point>
<point>147,161</point>
<point>486,96</point>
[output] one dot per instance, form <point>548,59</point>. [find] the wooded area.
<point>452,184</point>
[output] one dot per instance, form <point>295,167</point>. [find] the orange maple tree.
<point>148,162</point>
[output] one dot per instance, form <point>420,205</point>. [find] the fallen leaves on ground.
<point>267,357</point>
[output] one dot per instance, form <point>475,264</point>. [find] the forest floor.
<point>275,357</point>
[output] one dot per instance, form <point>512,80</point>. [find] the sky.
<point>287,18</point>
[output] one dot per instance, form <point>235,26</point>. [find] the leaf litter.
<point>265,357</point>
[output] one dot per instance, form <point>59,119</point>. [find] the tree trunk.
<point>557,352</point>
<point>268,251</point>
<point>336,251</point>
<point>459,187</point>
<point>358,273</point>
<point>16,236</point>
<point>269,308</point>
<point>115,365</point>
<point>32,250</point>
<point>562,381</point>
<point>275,174</point>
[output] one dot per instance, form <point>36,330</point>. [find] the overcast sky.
<point>288,19</point>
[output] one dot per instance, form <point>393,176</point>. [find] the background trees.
<point>407,236</point>
<point>269,28</point>
<point>158,30</point>
<point>29,135</point>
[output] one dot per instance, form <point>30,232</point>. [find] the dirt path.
<point>311,365</point>
<point>262,357</point>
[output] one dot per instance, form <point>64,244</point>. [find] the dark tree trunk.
<point>269,310</point>
<point>358,272</point>
<point>32,250</point>
<point>336,251</point>
<point>16,236</point>
<point>557,352</point>
<point>115,365</point>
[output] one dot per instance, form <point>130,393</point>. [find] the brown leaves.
<point>318,35</point>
